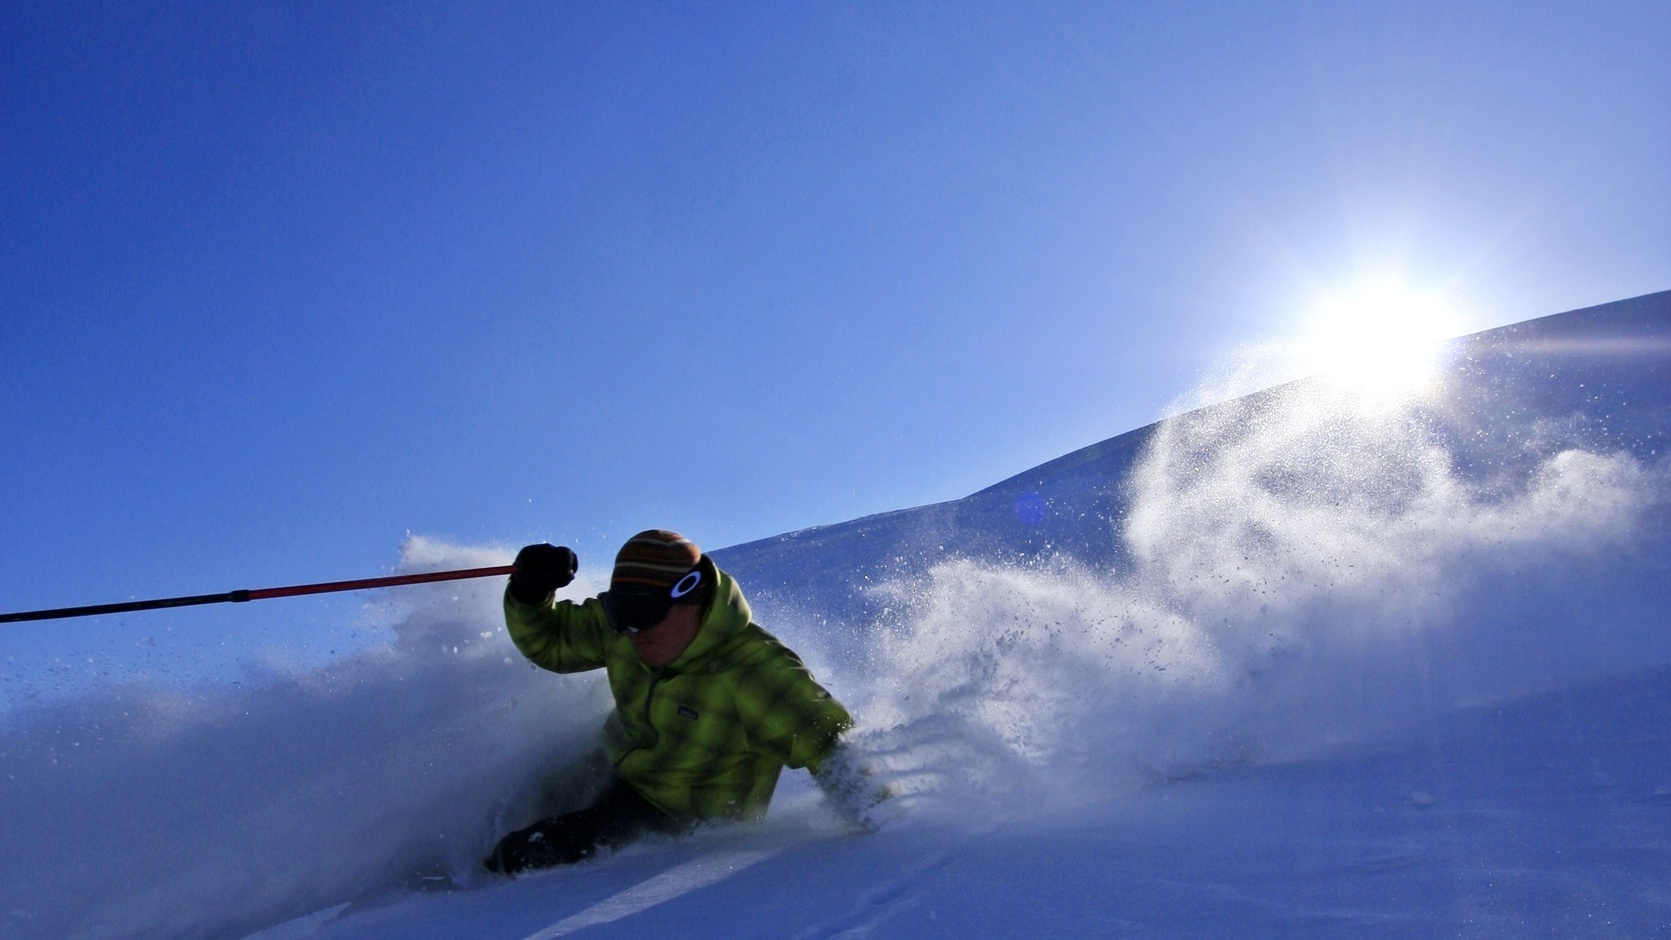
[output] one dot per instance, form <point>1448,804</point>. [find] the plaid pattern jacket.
<point>707,735</point>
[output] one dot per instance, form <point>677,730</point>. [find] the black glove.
<point>541,569</point>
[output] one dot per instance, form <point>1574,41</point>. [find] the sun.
<point>1379,340</point>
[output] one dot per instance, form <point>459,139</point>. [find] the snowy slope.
<point>1293,664</point>
<point>1538,817</point>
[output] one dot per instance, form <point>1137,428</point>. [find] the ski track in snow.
<point>691,876</point>
<point>882,902</point>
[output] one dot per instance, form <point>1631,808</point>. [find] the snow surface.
<point>1291,665</point>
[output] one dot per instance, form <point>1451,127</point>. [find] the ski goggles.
<point>634,608</point>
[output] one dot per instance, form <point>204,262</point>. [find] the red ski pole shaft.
<point>258,594</point>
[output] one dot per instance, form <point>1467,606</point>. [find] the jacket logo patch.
<point>688,712</point>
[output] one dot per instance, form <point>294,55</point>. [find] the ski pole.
<point>258,594</point>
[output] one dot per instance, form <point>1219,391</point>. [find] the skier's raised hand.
<point>541,569</point>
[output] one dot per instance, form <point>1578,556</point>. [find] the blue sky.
<point>282,283</point>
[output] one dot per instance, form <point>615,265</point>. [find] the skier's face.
<point>662,643</point>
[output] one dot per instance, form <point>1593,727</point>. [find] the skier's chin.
<point>655,653</point>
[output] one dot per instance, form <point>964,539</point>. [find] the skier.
<point>709,707</point>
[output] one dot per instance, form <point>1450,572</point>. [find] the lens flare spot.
<point>1030,509</point>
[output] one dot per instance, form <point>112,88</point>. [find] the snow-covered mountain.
<point>1296,664</point>
<point>1597,379</point>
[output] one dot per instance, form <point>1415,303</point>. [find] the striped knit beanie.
<point>655,558</point>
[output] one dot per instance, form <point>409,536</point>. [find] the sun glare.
<point>1381,340</point>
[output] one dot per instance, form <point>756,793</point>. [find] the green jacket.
<point>706,735</point>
